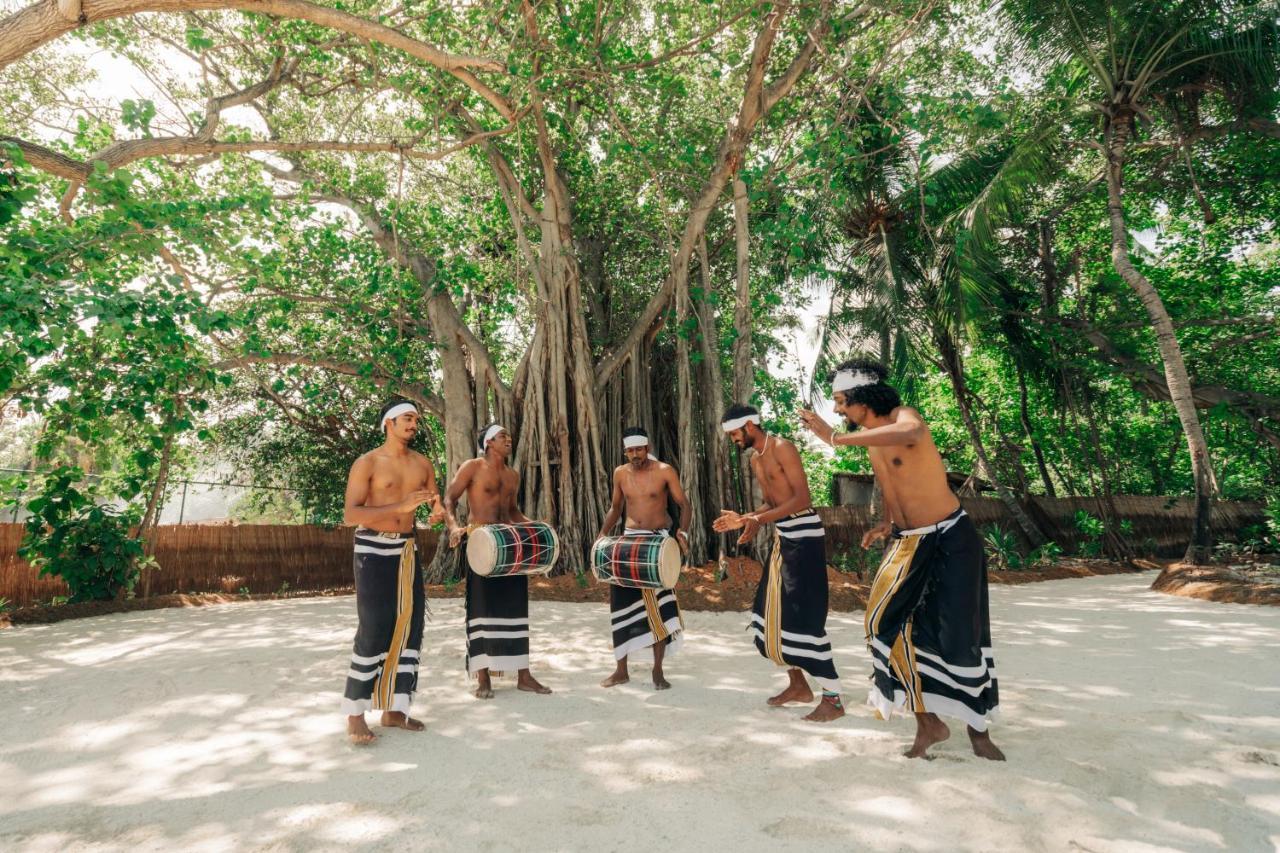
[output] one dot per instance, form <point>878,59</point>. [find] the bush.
<point>1003,551</point>
<point>89,546</point>
<point>1046,555</point>
<point>857,561</point>
<point>1091,529</point>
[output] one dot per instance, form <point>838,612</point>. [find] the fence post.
<point>182,507</point>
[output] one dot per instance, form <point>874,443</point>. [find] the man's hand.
<point>415,499</point>
<point>750,527</point>
<point>682,539</point>
<point>455,536</point>
<point>728,520</point>
<point>437,511</point>
<point>881,531</point>
<point>818,426</point>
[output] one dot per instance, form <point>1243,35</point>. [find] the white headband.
<point>739,423</point>
<point>489,435</point>
<point>847,380</point>
<point>395,412</point>
<point>635,441</point>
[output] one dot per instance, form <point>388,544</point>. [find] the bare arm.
<point>907,428</point>
<point>461,480</point>
<point>354,509</point>
<point>615,508</point>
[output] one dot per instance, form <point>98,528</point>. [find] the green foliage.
<point>89,545</point>
<point>859,561</point>
<point>1046,555</point>
<point>1003,549</point>
<point>1091,529</point>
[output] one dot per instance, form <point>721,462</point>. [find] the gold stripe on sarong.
<point>384,690</point>
<point>892,572</point>
<point>656,625</point>
<point>773,605</point>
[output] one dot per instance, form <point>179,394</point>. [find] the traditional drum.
<point>496,550</point>
<point>639,562</point>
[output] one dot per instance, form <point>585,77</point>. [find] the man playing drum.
<point>644,618</point>
<point>789,617</point>
<point>497,608</point>
<point>384,490</point>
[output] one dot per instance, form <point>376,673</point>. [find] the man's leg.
<point>929,730</point>
<point>620,674</point>
<point>659,650</point>
<point>404,680</point>
<point>526,682</point>
<point>484,690</point>
<point>358,730</point>
<point>829,708</point>
<point>797,689</point>
<point>982,745</point>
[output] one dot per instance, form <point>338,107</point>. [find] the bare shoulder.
<point>787,448</point>
<point>364,461</point>
<point>617,472</point>
<point>419,459</point>
<point>906,413</point>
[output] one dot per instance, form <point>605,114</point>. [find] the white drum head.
<point>669,563</point>
<point>482,551</point>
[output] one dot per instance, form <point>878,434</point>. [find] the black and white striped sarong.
<point>789,617</point>
<point>497,622</point>
<point>391,606</point>
<point>643,617</point>
<point>928,625</point>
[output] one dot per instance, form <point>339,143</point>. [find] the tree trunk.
<point>1025,416</point>
<point>1118,130</point>
<point>743,363</point>
<point>686,431</point>
<point>711,401</point>
<point>955,372</point>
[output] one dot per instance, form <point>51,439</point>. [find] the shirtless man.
<point>384,490</point>
<point>497,608</point>
<point>931,653</point>
<point>644,618</point>
<point>789,617</point>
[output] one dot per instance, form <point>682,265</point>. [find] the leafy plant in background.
<point>857,561</point>
<point>1046,555</point>
<point>1091,529</point>
<point>1003,550</point>
<point>90,545</point>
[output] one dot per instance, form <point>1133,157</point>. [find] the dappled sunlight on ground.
<point>1132,721</point>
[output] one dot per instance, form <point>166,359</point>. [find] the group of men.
<point>927,620</point>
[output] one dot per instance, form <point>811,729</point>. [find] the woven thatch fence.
<point>262,558</point>
<point>1161,526</point>
<point>256,558</point>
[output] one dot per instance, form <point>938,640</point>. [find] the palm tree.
<point>1140,57</point>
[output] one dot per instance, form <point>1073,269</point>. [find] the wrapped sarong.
<point>391,606</point>
<point>497,614</point>
<point>928,625</point>
<point>643,617</point>
<point>789,617</point>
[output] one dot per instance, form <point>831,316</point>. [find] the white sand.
<point>1132,721</point>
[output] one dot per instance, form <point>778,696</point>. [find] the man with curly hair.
<point>928,622</point>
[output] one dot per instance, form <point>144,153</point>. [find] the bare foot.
<point>983,747</point>
<point>929,730</point>
<point>828,709</point>
<point>797,691</point>
<point>358,731</point>
<point>484,689</point>
<point>399,720</point>
<point>529,684</point>
<point>659,682</point>
<point>619,676</point>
